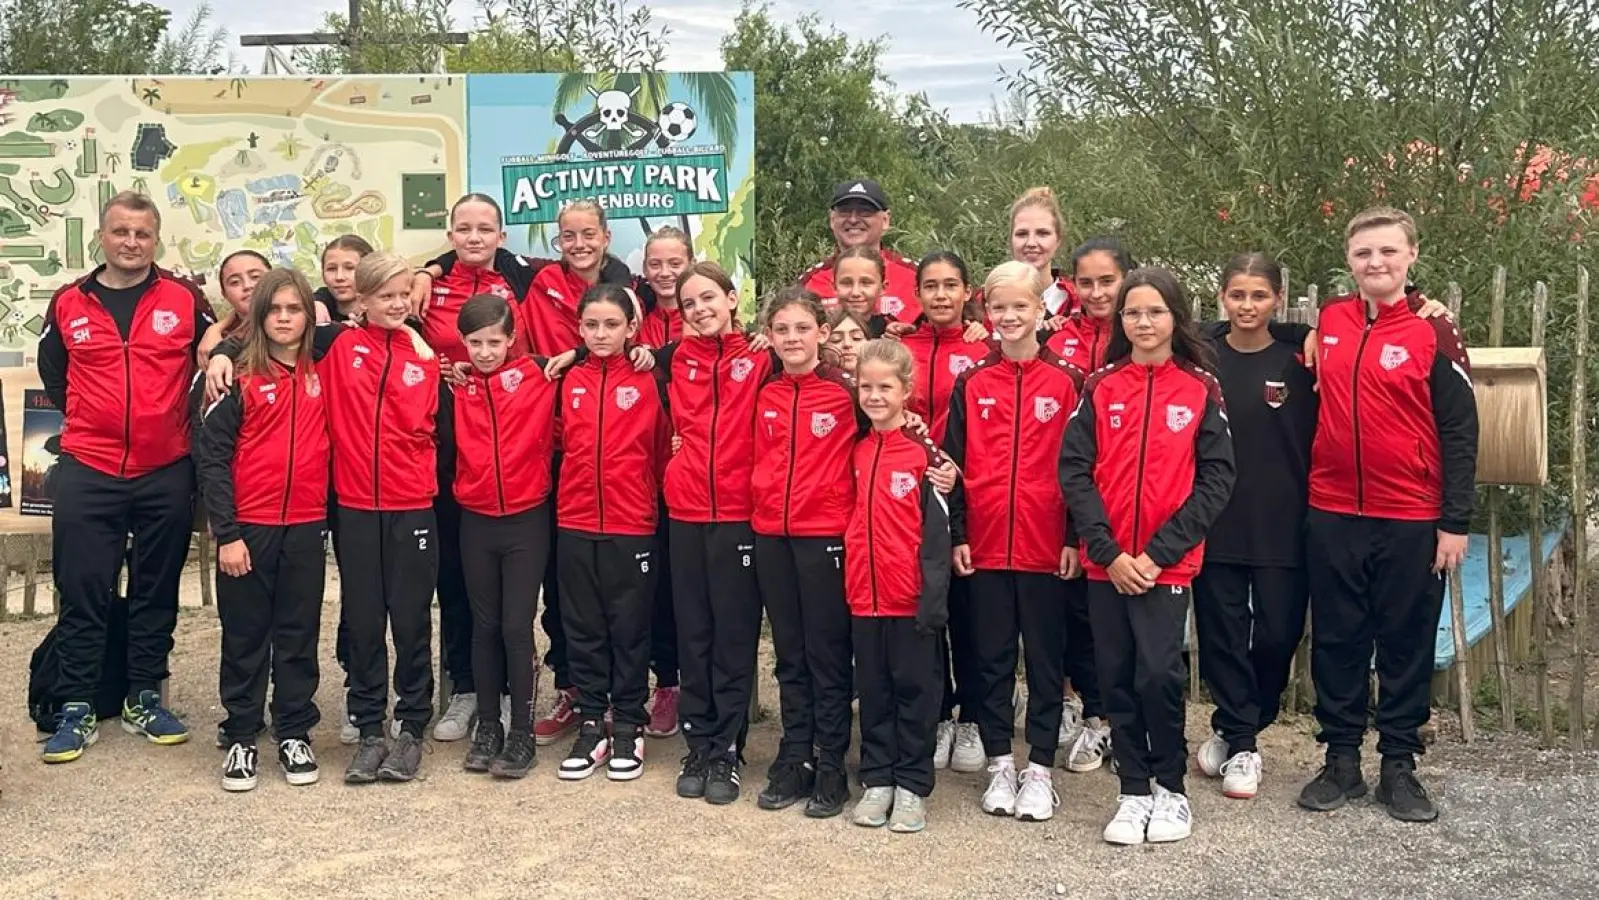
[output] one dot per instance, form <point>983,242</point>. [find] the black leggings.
<point>502,556</point>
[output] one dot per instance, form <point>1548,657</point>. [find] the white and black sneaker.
<point>298,762</point>
<point>627,755</point>
<point>590,751</point>
<point>238,769</point>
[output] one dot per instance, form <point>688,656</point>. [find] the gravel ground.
<point>131,819</point>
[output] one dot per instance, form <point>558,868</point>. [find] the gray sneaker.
<point>910,813</point>
<point>369,758</point>
<point>872,810</point>
<point>404,759</point>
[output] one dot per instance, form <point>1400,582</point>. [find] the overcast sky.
<point>933,46</point>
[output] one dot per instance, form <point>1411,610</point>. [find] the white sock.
<point>1007,759</point>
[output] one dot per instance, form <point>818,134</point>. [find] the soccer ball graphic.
<point>678,122</point>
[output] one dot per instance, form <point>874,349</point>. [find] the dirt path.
<point>132,819</point>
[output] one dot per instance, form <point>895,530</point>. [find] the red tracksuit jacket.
<point>125,403</point>
<point>1081,341</point>
<point>805,427</point>
<point>940,355</point>
<point>617,440</point>
<point>1011,416</point>
<point>497,437</point>
<point>551,306</point>
<point>509,279</point>
<point>899,300</point>
<point>262,451</point>
<point>1147,466</point>
<point>660,325</point>
<point>382,405</point>
<point>712,383</point>
<point>1397,436</point>
<point>896,547</point>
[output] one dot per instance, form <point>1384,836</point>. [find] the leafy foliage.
<point>84,37</point>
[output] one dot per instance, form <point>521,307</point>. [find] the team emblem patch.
<point>959,362</point>
<point>822,424</point>
<point>1276,394</point>
<point>626,396</point>
<point>741,369</point>
<point>412,374</point>
<point>313,385</point>
<point>501,291</point>
<point>164,321</point>
<point>1178,417</point>
<point>1393,357</point>
<point>1045,408</point>
<point>511,379</point>
<point>890,305</point>
<point>900,484</point>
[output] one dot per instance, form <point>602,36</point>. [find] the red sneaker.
<point>562,719</point>
<point>663,713</point>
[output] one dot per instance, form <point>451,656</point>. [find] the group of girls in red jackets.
<point>1048,459</point>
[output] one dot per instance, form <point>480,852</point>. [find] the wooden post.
<point>1457,602</point>
<point>1496,550</point>
<point>1579,517</point>
<point>1540,607</point>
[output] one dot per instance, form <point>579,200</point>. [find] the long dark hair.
<point>256,357</point>
<point>1185,340</point>
<point>1108,244</point>
<point>1257,264</point>
<point>949,257</point>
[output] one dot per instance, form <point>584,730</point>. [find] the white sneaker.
<point>1171,819</point>
<point>1071,721</point>
<point>1212,755</point>
<point>627,758</point>
<point>1036,798</point>
<point>968,754</point>
<point>874,807</point>
<point>1000,798</point>
<point>944,746</point>
<point>1131,823</point>
<point>1090,748</point>
<point>1241,776</point>
<point>457,719</point>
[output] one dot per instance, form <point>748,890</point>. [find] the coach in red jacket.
<point>1392,482</point>
<point>117,357</point>
<point>858,216</point>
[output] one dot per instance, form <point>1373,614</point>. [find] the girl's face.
<point>1034,237</point>
<point>287,318</point>
<point>1013,311</point>
<point>664,260</point>
<point>706,307</point>
<point>475,233</point>
<point>1248,301</point>
<point>1380,260</point>
<point>338,273</point>
<point>584,240</point>
<point>943,293</point>
<point>858,285</point>
<point>487,347</point>
<point>847,338</point>
<point>391,304</point>
<point>606,328</point>
<point>1098,278</point>
<point>882,392</point>
<point>238,280</point>
<point>796,336</point>
<point>1148,321</point>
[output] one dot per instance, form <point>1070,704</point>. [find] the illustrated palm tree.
<point>151,95</point>
<point>711,93</point>
<point>238,85</point>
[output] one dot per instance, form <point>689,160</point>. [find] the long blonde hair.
<point>372,273</point>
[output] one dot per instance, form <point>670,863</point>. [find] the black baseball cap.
<point>863,190</point>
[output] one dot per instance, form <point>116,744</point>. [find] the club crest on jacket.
<point>1393,357</point>
<point>1045,408</point>
<point>1178,417</point>
<point>822,424</point>
<point>511,379</point>
<point>164,321</point>
<point>626,396</point>
<point>1276,394</point>
<point>900,484</point>
<point>412,374</point>
<point>960,362</point>
<point>741,369</point>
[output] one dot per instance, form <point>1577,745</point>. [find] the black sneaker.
<point>488,739</point>
<point>369,757</point>
<point>627,754</point>
<point>238,769</point>
<point>787,783</point>
<point>691,778</point>
<point>590,751</point>
<point>517,756</point>
<point>1403,794</point>
<point>404,759</point>
<point>832,792</point>
<point>298,762</point>
<point>1338,781</point>
<point>721,780</point>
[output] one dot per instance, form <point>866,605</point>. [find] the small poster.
<point>41,452</point>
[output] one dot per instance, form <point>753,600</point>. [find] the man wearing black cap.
<point>858,216</point>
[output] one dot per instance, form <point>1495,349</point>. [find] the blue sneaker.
<point>76,729</point>
<point>153,721</point>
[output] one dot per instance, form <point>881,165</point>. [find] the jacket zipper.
<point>932,376</point>
<point>1015,452</point>
<point>599,447</point>
<point>1354,413</point>
<point>716,410</point>
<point>377,415</point>
<point>793,448</point>
<point>1143,449</point>
<point>288,477</point>
<point>871,529</point>
<point>494,432</point>
<point>127,406</point>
